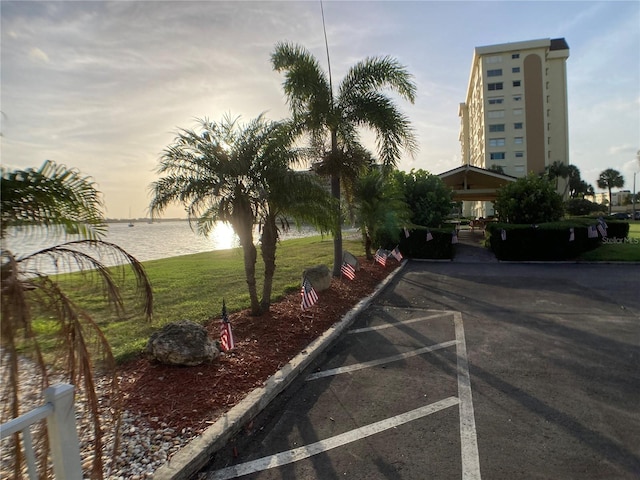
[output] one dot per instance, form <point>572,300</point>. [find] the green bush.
<point>581,206</point>
<point>548,241</point>
<point>428,198</point>
<point>529,200</point>
<point>417,246</point>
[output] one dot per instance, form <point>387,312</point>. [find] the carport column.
<point>468,439</point>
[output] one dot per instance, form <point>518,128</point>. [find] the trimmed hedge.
<point>417,246</point>
<point>549,241</point>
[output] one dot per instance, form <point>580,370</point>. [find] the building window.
<point>518,140</point>
<point>519,154</point>
<point>495,86</point>
<point>515,55</point>
<point>497,156</point>
<point>498,127</point>
<point>517,126</point>
<point>515,70</point>
<point>496,142</point>
<point>516,83</point>
<point>493,59</point>
<point>517,111</point>
<point>517,98</point>
<point>495,114</point>
<point>496,100</point>
<point>494,73</point>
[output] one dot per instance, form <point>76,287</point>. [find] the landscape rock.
<point>182,343</point>
<point>350,258</point>
<point>319,276</point>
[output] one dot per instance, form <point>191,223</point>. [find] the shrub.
<point>581,206</point>
<point>529,200</point>
<point>417,246</point>
<point>428,198</point>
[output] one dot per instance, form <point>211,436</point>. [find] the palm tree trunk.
<point>335,192</point>
<point>245,234</point>
<point>268,250</point>
<point>609,200</point>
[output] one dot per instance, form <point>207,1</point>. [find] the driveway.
<point>476,370</point>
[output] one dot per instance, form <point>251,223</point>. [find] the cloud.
<point>38,55</point>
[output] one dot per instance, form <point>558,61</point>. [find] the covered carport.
<point>471,183</point>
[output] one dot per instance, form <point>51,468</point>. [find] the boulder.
<point>319,276</point>
<point>349,258</point>
<point>182,343</point>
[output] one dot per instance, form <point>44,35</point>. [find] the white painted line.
<point>396,324</point>
<point>300,453</point>
<point>380,361</point>
<point>468,438</point>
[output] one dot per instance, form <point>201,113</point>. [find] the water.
<point>146,241</point>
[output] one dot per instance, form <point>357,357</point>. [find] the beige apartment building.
<point>515,115</point>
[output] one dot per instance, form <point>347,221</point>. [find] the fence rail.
<point>59,413</point>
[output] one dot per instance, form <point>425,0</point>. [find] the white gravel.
<point>143,449</point>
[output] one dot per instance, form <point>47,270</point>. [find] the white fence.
<point>61,430</point>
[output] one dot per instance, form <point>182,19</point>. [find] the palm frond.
<point>54,197</point>
<point>376,73</point>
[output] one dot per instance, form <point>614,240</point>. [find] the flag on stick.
<point>429,236</point>
<point>454,237</point>
<point>602,229</point>
<point>572,235</point>
<point>380,258</point>
<point>503,235</point>
<point>592,232</point>
<point>348,270</point>
<point>226,335</point>
<point>396,254</point>
<point>406,232</point>
<point>308,293</point>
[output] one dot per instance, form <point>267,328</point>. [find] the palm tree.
<point>609,179</point>
<point>332,118</point>
<point>240,174</point>
<point>558,170</point>
<point>380,208</point>
<point>59,200</point>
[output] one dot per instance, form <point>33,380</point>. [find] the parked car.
<point>637,217</point>
<point>620,216</point>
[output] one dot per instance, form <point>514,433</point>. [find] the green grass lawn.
<point>622,250</point>
<point>191,287</point>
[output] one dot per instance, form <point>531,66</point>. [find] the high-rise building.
<point>515,115</point>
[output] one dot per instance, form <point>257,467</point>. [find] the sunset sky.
<point>104,86</point>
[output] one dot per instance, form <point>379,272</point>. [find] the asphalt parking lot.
<point>495,371</point>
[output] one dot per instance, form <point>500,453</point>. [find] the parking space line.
<point>380,361</point>
<point>395,325</point>
<point>300,453</point>
<point>468,438</point>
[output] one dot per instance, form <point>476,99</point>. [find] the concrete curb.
<point>195,455</point>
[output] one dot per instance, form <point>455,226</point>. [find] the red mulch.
<point>194,397</point>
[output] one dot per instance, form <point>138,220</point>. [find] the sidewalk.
<point>470,248</point>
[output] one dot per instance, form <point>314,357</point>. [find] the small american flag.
<point>348,270</point>
<point>592,232</point>
<point>454,237</point>
<point>396,254</point>
<point>572,235</point>
<point>309,295</point>
<point>503,235</point>
<point>226,335</point>
<point>381,258</point>
<point>406,233</point>
<point>429,236</point>
<point>602,229</point>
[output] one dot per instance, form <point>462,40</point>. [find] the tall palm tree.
<point>558,170</point>
<point>332,118</point>
<point>57,200</point>
<point>610,178</point>
<point>240,174</point>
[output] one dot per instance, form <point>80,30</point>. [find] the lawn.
<point>192,287</point>
<point>618,249</point>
